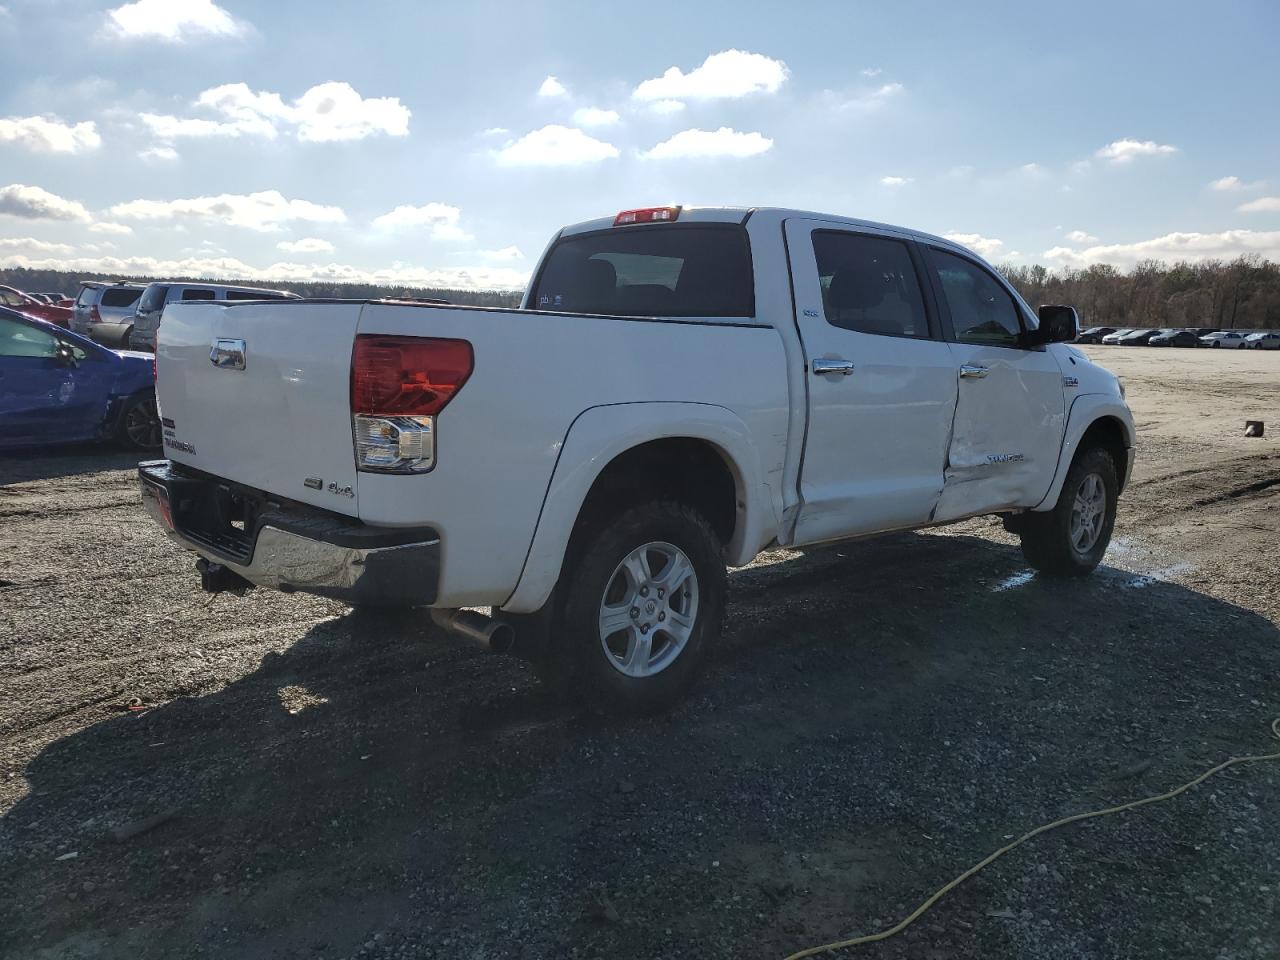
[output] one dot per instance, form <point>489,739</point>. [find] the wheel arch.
<point>1093,418</point>
<point>612,455</point>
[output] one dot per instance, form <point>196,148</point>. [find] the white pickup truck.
<point>681,388</point>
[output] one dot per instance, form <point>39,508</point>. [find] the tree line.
<point>1241,294</point>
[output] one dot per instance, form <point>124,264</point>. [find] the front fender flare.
<point>599,435</point>
<point>1086,410</point>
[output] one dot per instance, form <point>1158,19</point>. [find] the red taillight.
<point>646,215</point>
<point>94,315</point>
<point>407,376</point>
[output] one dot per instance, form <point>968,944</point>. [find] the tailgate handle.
<point>227,354</point>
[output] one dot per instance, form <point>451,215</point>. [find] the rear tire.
<point>644,595</point>
<point>1070,539</point>
<point>139,427</point>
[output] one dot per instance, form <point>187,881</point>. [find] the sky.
<point>443,144</point>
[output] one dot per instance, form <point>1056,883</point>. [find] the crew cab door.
<point>1011,408</point>
<point>881,382</point>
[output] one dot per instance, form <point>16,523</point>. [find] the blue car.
<point>59,387</point>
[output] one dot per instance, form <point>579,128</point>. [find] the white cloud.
<point>871,71</point>
<point>862,100</point>
<point>230,268</point>
<point>160,153</point>
<point>1225,245</point>
<point>1224,184</point>
<point>710,143</point>
<point>32,244</point>
<point>1261,205</point>
<point>595,117</point>
<point>305,245</point>
<point>1079,236</point>
<point>326,112</point>
<point>895,181</point>
<point>506,253</point>
<point>174,21</point>
<point>551,87</point>
<point>496,131</point>
<point>1124,151</point>
<point>440,217</point>
<point>114,229</point>
<point>730,73</point>
<point>665,107</point>
<point>987,247</point>
<point>555,146</point>
<point>265,210</point>
<point>36,203</point>
<point>49,134</point>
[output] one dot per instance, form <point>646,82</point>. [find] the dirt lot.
<point>879,716</point>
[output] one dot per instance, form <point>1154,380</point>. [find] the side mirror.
<point>66,356</point>
<point>1058,324</point>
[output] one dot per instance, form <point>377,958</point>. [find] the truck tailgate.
<point>279,419</point>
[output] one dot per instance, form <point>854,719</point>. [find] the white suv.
<point>147,318</point>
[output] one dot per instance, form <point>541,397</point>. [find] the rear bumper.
<point>291,547</point>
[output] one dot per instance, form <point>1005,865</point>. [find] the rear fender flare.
<point>601,434</point>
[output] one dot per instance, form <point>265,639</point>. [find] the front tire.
<point>1070,539</point>
<point>643,601</point>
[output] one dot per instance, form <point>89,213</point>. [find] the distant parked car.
<point>1263,340</point>
<point>25,303</point>
<point>59,387</point>
<point>1175,338</point>
<point>1204,331</point>
<point>1233,339</point>
<point>146,320</point>
<point>104,311</point>
<point>1094,334</point>
<point>58,299</point>
<point>1111,339</point>
<point>1137,338</point>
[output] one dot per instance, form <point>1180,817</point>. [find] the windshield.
<point>701,270</point>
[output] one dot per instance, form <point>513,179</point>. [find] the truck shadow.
<point>378,777</point>
<point>80,459</point>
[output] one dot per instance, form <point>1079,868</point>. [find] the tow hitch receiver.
<point>215,578</point>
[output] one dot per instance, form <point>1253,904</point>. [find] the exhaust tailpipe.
<point>493,634</point>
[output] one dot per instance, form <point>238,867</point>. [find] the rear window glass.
<point>87,295</point>
<point>252,295</point>
<point>668,271</point>
<point>153,299</point>
<point>120,298</point>
<point>196,294</point>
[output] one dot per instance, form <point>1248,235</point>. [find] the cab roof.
<point>775,215</point>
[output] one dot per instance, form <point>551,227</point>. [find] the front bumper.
<point>289,546</point>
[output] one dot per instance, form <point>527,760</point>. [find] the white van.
<point>152,303</point>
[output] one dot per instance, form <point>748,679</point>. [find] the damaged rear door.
<point>1011,408</point>
<point>881,383</point>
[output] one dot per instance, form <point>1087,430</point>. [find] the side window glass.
<point>869,284</point>
<point>981,310</point>
<point>198,294</point>
<point>19,340</point>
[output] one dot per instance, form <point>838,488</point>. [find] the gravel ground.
<point>305,782</point>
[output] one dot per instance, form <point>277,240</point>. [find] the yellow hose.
<point>1045,828</point>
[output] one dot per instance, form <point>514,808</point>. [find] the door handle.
<point>973,370</point>
<point>825,366</point>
